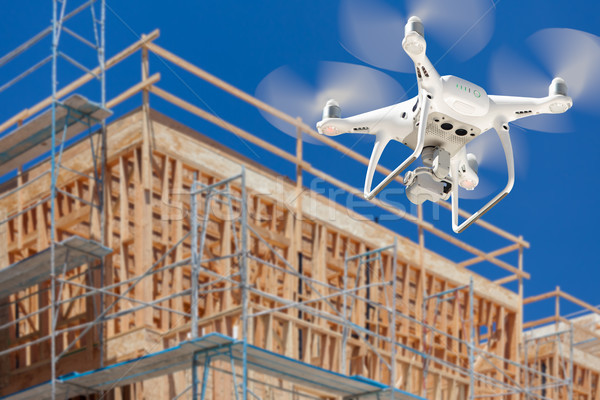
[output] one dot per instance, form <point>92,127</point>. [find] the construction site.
<point>140,259</point>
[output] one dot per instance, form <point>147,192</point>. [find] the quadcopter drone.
<point>437,124</point>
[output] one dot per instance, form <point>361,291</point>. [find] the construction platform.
<point>211,347</point>
<point>69,254</point>
<point>33,139</point>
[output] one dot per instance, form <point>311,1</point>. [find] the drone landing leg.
<point>380,145</point>
<point>503,134</point>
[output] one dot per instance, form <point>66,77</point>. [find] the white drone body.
<point>447,113</point>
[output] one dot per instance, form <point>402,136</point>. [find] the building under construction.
<point>141,259</point>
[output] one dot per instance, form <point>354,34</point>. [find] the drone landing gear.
<point>503,133</point>
<point>382,142</point>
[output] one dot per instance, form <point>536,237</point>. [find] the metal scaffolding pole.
<point>53,308</point>
<point>215,193</point>
<point>195,261</point>
<point>350,295</point>
<point>393,317</point>
<point>245,286</point>
<point>59,18</point>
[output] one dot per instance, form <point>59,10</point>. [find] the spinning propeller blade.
<point>559,52</point>
<point>372,30</point>
<point>356,88</point>
<point>574,56</point>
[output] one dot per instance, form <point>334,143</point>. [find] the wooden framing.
<point>151,164</point>
<point>175,156</point>
<point>566,348</point>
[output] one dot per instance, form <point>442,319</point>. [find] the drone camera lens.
<point>446,126</point>
<point>461,132</point>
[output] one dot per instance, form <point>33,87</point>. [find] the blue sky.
<point>553,204</point>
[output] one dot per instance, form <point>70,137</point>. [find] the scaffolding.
<point>339,305</point>
<point>51,132</point>
<point>282,326</point>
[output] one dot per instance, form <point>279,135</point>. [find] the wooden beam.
<point>225,125</point>
<point>575,300</point>
<point>540,297</point>
<point>508,279</point>
<point>542,321</point>
<point>143,85</point>
<point>494,253</point>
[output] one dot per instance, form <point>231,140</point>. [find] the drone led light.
<point>467,173</point>
<point>558,107</point>
<point>330,130</point>
<point>414,44</point>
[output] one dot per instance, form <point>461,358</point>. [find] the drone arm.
<point>514,108</point>
<point>427,76</point>
<point>415,45</point>
<point>380,145</point>
<point>503,134</point>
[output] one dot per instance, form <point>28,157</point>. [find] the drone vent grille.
<point>447,136</point>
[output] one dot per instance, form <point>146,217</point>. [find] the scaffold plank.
<point>180,357</point>
<point>149,366</point>
<point>146,367</point>
<point>70,253</point>
<point>32,139</point>
<point>307,375</point>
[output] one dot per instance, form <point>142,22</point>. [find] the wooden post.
<point>165,223</point>
<point>20,224</point>
<point>178,232</point>
<point>226,264</point>
<point>298,224</point>
<point>5,314</point>
<point>143,208</point>
<point>557,308</point>
<point>518,337</point>
<point>319,261</point>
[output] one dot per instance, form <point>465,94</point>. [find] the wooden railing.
<point>149,85</point>
<point>558,294</point>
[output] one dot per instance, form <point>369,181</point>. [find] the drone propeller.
<point>568,53</point>
<point>357,89</point>
<point>372,30</point>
